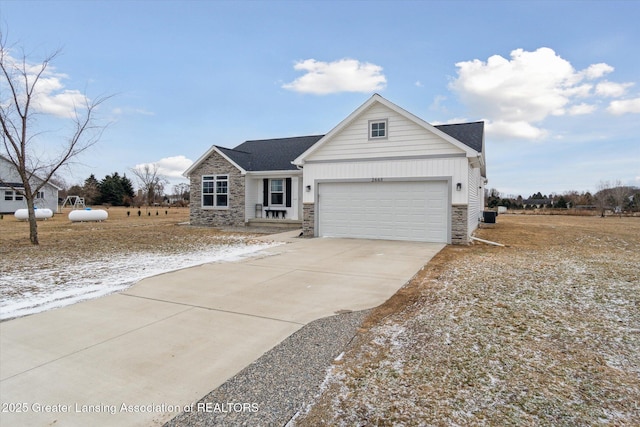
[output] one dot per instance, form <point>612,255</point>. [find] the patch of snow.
<point>46,287</point>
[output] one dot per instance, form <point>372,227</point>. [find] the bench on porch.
<point>276,213</point>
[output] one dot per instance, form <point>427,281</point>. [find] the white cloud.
<point>582,109</point>
<point>62,104</point>
<point>517,94</point>
<point>515,129</point>
<point>169,167</point>
<point>595,71</point>
<point>50,95</point>
<point>624,106</point>
<point>345,75</point>
<point>611,89</point>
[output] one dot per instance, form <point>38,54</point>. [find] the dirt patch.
<point>545,331</point>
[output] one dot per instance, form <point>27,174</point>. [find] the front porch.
<point>286,224</point>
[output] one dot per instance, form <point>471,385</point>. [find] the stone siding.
<point>308,219</point>
<point>459,234</point>
<point>233,215</point>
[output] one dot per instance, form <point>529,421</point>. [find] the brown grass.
<point>545,331</point>
<point>120,232</point>
<point>86,245</point>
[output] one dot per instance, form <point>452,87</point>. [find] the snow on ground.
<point>58,284</point>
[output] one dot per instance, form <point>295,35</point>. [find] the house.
<point>12,190</point>
<point>381,173</point>
<point>538,203</point>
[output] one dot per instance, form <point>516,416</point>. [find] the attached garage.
<point>384,173</point>
<point>390,210</point>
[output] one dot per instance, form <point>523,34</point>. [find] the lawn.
<point>81,260</point>
<point>544,331</point>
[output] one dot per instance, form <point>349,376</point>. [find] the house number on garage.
<point>376,179</point>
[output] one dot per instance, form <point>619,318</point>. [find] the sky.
<point>556,82</point>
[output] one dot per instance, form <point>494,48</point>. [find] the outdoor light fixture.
<point>459,186</point>
<point>308,188</point>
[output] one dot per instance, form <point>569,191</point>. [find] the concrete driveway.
<point>139,357</point>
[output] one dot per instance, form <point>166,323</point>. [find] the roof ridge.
<point>463,123</point>
<point>286,137</point>
<point>232,149</point>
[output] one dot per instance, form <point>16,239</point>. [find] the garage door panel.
<point>414,210</point>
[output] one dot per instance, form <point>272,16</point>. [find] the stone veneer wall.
<point>233,215</point>
<point>459,225</point>
<point>308,219</point>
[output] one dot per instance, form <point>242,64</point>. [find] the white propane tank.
<point>88,214</point>
<point>23,214</point>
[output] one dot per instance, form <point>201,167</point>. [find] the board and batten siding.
<point>476,199</point>
<point>255,195</point>
<point>405,139</point>
<point>455,167</point>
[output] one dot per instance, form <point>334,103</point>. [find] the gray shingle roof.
<point>270,154</point>
<point>277,154</point>
<point>469,134</point>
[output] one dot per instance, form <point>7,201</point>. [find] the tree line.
<point>114,190</point>
<point>609,196</point>
<point>118,190</point>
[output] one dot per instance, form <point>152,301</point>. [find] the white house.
<point>12,190</point>
<point>382,173</point>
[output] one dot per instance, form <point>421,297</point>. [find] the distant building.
<point>537,203</point>
<point>12,190</point>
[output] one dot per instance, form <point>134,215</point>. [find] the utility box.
<point>489,217</point>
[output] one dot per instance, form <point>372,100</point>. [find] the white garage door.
<point>390,210</point>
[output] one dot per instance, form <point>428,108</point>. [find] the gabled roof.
<point>272,154</point>
<point>10,164</point>
<point>263,154</point>
<point>468,148</point>
<point>283,154</point>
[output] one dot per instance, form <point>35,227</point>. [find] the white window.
<point>378,129</point>
<point>277,192</point>
<point>10,195</point>
<point>215,191</point>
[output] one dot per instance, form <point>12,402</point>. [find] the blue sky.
<point>557,82</point>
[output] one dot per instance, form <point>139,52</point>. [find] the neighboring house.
<point>537,203</point>
<point>12,190</point>
<point>382,173</point>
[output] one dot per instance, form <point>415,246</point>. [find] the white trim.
<point>213,149</point>
<point>300,160</point>
<point>285,173</point>
<point>370,129</point>
<point>388,158</point>
<point>215,193</point>
<point>283,192</point>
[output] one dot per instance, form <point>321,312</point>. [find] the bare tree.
<point>181,191</point>
<point>21,88</point>
<point>150,181</point>
<point>620,196</point>
<point>603,196</point>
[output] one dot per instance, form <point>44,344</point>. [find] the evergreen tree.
<point>91,190</point>
<point>116,190</point>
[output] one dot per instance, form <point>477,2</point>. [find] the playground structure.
<point>74,202</point>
